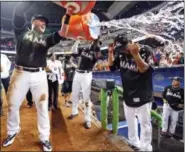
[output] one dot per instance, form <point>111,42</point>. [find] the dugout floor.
<point>66,135</point>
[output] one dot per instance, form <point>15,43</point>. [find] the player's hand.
<point>134,49</point>
<point>70,10</point>
<point>181,105</point>
<point>111,48</point>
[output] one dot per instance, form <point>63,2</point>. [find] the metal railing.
<point>105,99</point>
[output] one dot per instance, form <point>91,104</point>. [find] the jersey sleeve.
<point>164,93</point>
<point>182,95</point>
<point>19,25</point>
<point>53,39</point>
<point>116,64</point>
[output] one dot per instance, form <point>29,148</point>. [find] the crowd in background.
<point>164,56</point>
<point>167,56</point>
<point>7,45</point>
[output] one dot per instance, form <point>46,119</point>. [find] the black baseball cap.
<point>41,17</point>
<point>122,39</point>
<point>176,78</point>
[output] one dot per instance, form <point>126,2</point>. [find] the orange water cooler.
<point>83,24</point>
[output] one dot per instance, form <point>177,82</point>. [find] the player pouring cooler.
<point>29,72</point>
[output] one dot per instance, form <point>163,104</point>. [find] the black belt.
<point>29,69</point>
<point>83,71</point>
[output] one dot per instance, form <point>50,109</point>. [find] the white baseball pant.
<point>144,116</point>
<point>82,81</point>
<point>168,111</point>
<point>20,83</point>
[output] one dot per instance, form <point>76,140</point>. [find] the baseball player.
<point>136,74</point>
<point>173,97</point>
<point>29,72</point>
<point>83,78</point>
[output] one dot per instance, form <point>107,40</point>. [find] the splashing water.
<point>165,22</point>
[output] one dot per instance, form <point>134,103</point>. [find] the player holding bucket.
<point>83,24</point>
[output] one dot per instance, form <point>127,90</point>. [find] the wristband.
<point>67,18</point>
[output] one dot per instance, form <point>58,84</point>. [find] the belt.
<point>29,69</point>
<point>83,71</point>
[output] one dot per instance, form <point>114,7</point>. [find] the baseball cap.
<point>122,39</point>
<point>41,17</point>
<point>176,78</point>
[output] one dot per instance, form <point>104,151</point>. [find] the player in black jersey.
<point>173,97</point>
<point>133,61</point>
<point>83,78</point>
<point>29,72</point>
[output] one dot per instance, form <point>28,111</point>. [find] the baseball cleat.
<point>163,134</point>
<point>10,139</point>
<point>87,124</point>
<point>46,145</point>
<point>72,116</point>
<point>135,148</point>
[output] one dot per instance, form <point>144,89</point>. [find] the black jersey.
<point>87,59</point>
<point>174,97</point>
<point>69,70</point>
<point>32,47</point>
<point>137,87</point>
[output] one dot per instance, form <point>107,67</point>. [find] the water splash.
<point>165,22</point>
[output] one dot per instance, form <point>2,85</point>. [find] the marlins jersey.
<point>174,97</point>
<point>87,59</point>
<point>32,47</point>
<point>137,86</point>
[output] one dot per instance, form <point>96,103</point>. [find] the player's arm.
<point>164,95</point>
<point>111,54</point>
<point>97,51</point>
<point>19,18</point>
<point>74,48</point>
<point>143,65</point>
<point>182,99</point>
<point>113,61</point>
<point>72,63</point>
<point>62,33</point>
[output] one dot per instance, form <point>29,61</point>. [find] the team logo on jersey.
<point>87,55</point>
<point>129,66</point>
<point>136,99</point>
<point>176,95</point>
<point>37,40</point>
